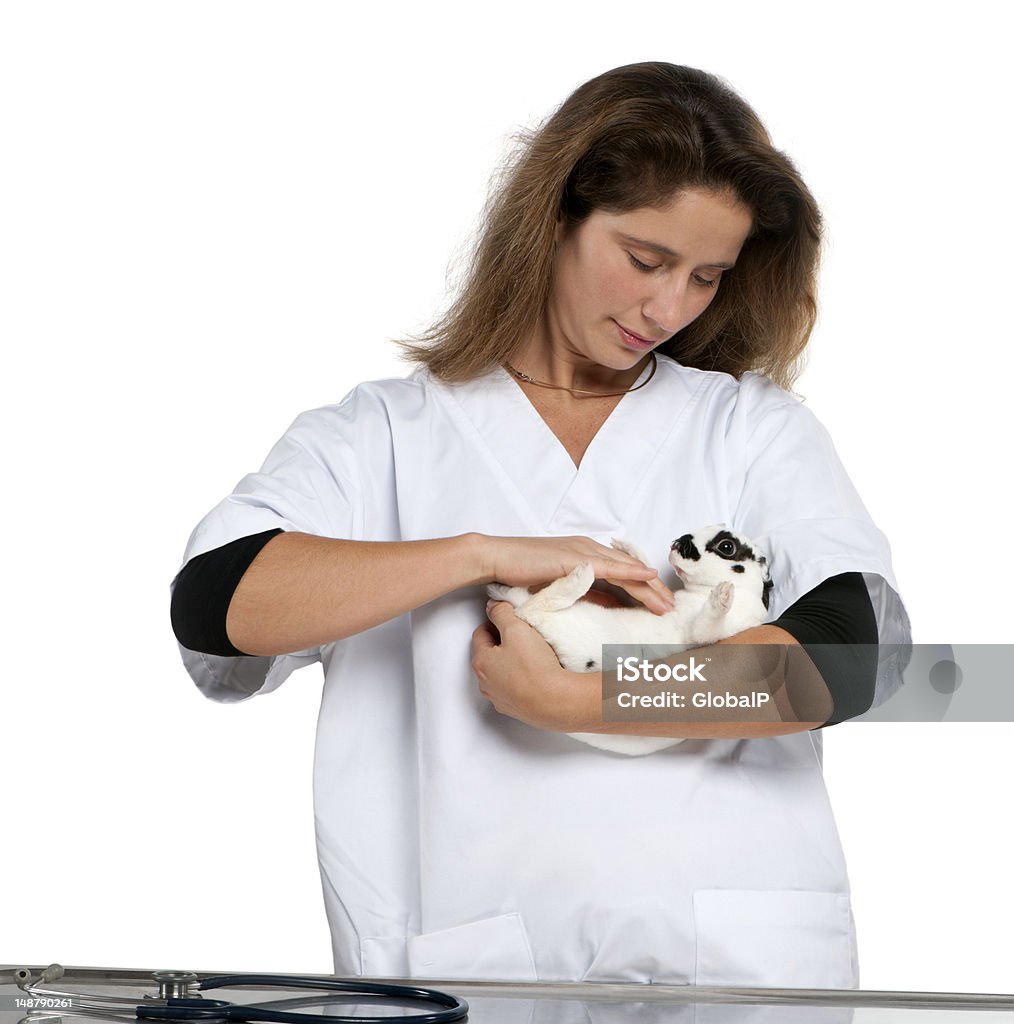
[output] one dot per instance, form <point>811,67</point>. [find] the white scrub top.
<point>455,842</point>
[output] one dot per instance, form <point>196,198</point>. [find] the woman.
<point>648,253</point>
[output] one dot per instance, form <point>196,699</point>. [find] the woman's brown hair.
<point>637,136</point>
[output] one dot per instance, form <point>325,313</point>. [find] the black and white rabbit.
<point>725,590</point>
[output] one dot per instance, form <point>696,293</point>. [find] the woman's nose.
<point>667,307</point>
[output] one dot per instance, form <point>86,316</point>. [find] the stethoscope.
<point>176,1002</point>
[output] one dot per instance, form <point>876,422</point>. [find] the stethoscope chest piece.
<point>176,984</point>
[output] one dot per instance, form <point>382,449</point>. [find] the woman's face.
<point>624,283</point>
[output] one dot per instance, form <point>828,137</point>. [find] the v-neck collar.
<point>539,476</point>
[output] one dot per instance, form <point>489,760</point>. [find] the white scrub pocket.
<point>774,938</point>
<point>494,949</point>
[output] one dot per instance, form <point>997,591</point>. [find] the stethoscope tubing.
<point>454,1008</point>
<point>208,1010</point>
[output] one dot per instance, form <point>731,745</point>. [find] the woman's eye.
<point>646,267</point>
<point>705,282</point>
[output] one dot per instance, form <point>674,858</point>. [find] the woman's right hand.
<point>533,561</point>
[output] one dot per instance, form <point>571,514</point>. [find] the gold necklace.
<point>580,391</point>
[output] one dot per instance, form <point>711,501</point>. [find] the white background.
<point>217,214</point>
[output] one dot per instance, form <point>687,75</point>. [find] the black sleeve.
<point>836,625</point>
<point>203,590</point>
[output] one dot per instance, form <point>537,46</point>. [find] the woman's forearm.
<point>302,591</point>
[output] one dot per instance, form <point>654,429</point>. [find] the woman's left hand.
<point>519,672</point>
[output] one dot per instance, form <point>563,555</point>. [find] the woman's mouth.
<point>634,341</point>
